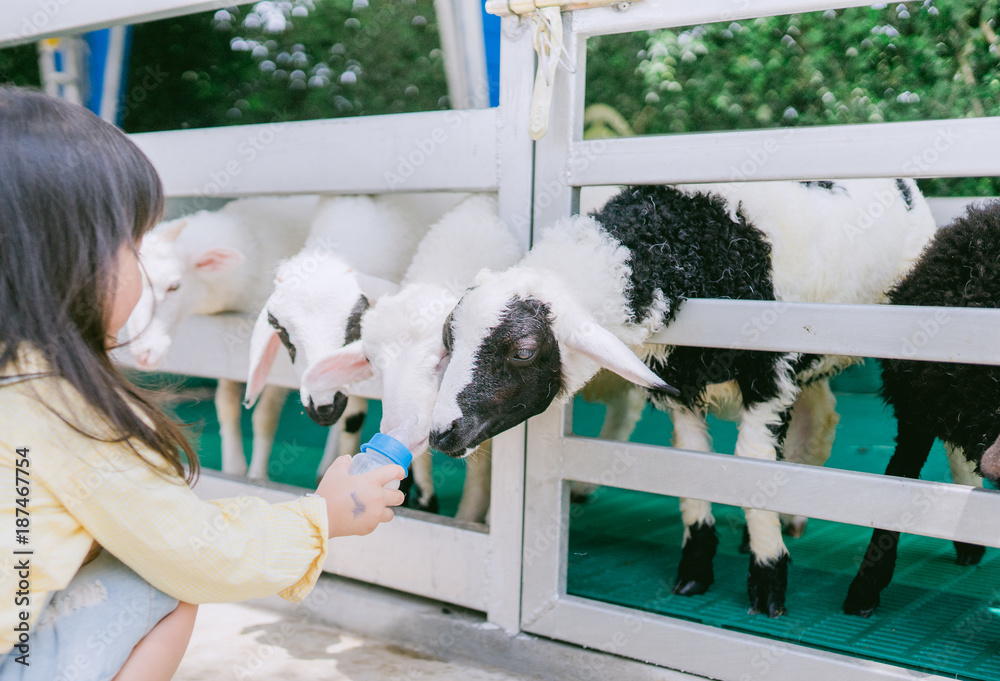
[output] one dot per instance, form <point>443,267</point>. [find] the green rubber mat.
<point>936,616</point>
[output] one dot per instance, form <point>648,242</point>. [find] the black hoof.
<point>862,597</point>
<point>690,588</point>
<point>695,573</point>
<point>968,554</point>
<point>745,542</point>
<point>766,585</point>
<point>575,498</point>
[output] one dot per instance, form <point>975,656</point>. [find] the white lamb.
<point>358,249</point>
<point>401,343</point>
<point>213,262</point>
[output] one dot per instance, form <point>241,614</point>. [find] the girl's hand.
<point>356,504</point>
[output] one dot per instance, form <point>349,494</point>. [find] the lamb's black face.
<point>515,374</point>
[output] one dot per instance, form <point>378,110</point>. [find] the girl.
<point>113,547</point>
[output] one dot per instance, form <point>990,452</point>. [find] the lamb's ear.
<point>218,260</point>
<point>346,366</point>
<point>264,344</point>
<point>173,231</point>
<point>602,346</point>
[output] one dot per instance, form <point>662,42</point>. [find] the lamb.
<point>594,287</point>
<point>941,400</point>
<point>213,262</point>
<point>319,294</point>
<point>400,340</point>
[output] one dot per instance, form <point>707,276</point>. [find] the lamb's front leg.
<point>813,423</point>
<point>695,573</point>
<point>758,438</point>
<point>229,408</point>
<point>266,416</point>
<point>963,472</point>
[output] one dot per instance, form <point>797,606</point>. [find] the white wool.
<point>402,333</point>
<point>832,246</point>
<point>469,238</point>
<point>378,234</point>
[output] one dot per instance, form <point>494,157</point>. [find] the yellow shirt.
<point>82,490</point>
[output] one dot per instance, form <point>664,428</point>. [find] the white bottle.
<point>384,449</point>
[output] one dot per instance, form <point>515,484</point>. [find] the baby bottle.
<point>384,449</point>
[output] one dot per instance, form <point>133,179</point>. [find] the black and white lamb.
<point>595,288</point>
<point>954,402</point>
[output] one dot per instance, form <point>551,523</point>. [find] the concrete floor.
<point>241,641</point>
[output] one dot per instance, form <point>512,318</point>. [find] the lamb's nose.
<point>446,439</point>
<point>143,359</point>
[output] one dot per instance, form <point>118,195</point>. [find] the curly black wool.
<point>690,246</point>
<point>958,403</point>
<point>687,246</point>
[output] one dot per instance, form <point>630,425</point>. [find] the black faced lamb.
<point>956,403</point>
<point>595,288</point>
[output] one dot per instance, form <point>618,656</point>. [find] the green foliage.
<point>382,58</point>
<point>860,65</point>
<point>19,66</point>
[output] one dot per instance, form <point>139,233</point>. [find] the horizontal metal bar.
<point>443,560</point>
<point>699,649</point>
<point>933,509</point>
<point>24,21</point>
<point>653,14</point>
<point>942,334</point>
<point>945,148</point>
<point>218,346</point>
<point>429,151</point>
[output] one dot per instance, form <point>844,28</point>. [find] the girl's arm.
<point>211,551</point>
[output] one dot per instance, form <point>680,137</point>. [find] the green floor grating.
<point>624,546</point>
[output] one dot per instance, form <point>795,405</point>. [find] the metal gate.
<point>563,164</point>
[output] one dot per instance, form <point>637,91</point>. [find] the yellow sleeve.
<point>196,551</point>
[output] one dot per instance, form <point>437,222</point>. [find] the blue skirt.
<point>86,631</point>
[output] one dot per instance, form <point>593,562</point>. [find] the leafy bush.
<point>903,62</point>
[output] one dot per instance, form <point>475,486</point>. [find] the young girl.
<point>103,545</point>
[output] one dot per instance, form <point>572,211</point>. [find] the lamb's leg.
<point>422,473</point>
<point>476,490</point>
<point>623,413</point>
<point>963,472</point>
<point>266,416</point>
<point>229,407</point>
<point>763,426</point>
<point>811,428</point>
<point>913,444</point>
<point>695,573</point>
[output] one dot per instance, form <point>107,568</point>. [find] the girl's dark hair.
<point>74,190</point>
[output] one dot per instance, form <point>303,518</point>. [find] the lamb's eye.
<point>174,286</point>
<point>524,353</point>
